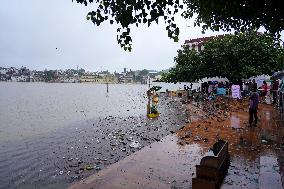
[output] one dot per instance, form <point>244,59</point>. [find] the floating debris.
<point>97,168</point>
<point>70,159</point>
<point>134,144</point>
<point>197,138</point>
<point>88,167</point>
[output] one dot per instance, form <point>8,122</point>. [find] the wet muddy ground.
<point>247,145</point>
<point>57,159</point>
<point>256,152</point>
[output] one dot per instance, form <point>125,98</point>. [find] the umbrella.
<point>277,75</point>
<point>156,88</point>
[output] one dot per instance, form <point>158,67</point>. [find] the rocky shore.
<point>57,159</point>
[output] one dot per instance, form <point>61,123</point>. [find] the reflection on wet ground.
<point>163,165</point>
<point>235,121</point>
<point>256,153</point>
<point>268,173</point>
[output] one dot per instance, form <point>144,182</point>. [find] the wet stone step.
<point>269,176</point>
<point>270,180</point>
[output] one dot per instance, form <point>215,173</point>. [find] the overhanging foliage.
<point>240,15</point>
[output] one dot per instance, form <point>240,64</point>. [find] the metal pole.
<point>148,105</point>
<point>149,98</point>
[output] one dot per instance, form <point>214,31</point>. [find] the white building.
<point>73,79</point>
<point>3,71</point>
<point>20,78</point>
<point>198,43</point>
<point>13,70</point>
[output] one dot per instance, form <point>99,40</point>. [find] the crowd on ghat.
<point>211,89</point>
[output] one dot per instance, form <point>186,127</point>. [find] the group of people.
<point>211,87</point>
<point>248,89</point>
<point>261,92</point>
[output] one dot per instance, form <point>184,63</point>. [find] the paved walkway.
<point>162,165</point>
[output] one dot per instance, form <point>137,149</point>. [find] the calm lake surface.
<point>50,132</point>
<point>29,109</point>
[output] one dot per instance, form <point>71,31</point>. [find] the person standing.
<point>253,86</point>
<point>249,87</point>
<point>253,107</point>
<point>274,90</point>
<point>265,90</point>
<point>245,89</point>
<point>210,88</point>
<point>205,88</point>
<point>186,89</point>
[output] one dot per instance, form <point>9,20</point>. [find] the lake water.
<point>29,109</point>
<point>50,132</point>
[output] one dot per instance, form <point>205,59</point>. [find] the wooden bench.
<point>213,167</point>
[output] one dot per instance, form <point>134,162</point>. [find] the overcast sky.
<point>31,30</point>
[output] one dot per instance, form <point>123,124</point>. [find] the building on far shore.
<point>23,74</point>
<point>3,71</point>
<point>71,79</point>
<point>38,76</point>
<point>198,43</point>
<point>125,76</point>
<point>126,79</point>
<point>88,78</point>
<point>91,78</point>
<point>20,78</point>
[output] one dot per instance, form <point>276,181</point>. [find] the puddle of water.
<point>235,121</point>
<point>269,176</point>
<point>269,164</point>
<point>242,174</point>
<point>267,115</point>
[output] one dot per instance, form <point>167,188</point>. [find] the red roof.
<point>202,40</point>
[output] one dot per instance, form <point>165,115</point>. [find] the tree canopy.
<point>240,15</point>
<point>143,72</point>
<point>235,57</point>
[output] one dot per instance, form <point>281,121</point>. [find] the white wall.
<point>3,71</point>
<point>259,79</point>
<point>219,79</point>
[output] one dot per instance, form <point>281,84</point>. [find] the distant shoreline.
<point>67,82</point>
